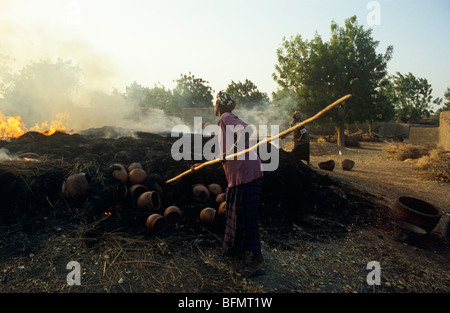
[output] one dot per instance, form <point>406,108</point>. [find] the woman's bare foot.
<point>257,263</point>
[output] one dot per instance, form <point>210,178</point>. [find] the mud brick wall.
<point>444,130</point>
<point>424,136</point>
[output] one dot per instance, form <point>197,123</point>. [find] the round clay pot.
<point>121,175</point>
<point>156,223</point>
<point>416,212</point>
<point>134,166</point>
<point>201,193</point>
<point>347,164</point>
<point>172,215</point>
<point>328,165</point>
<point>76,187</point>
<point>207,215</point>
<point>222,208</point>
<point>137,176</point>
<point>149,200</point>
<point>215,189</point>
<point>220,198</point>
<point>118,166</point>
<point>136,191</point>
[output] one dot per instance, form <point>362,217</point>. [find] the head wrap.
<point>297,115</point>
<point>226,100</point>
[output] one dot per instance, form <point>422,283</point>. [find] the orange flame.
<point>13,126</point>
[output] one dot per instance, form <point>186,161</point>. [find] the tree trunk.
<point>370,127</point>
<point>341,136</point>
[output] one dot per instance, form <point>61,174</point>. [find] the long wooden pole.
<point>283,133</point>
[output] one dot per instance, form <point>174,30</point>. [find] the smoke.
<point>5,155</point>
<point>46,72</point>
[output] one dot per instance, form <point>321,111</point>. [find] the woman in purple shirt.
<point>244,176</point>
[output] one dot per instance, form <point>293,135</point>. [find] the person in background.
<point>244,177</point>
<point>301,139</point>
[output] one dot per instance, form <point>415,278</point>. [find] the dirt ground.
<point>304,256</point>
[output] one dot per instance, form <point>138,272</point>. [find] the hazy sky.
<point>118,42</point>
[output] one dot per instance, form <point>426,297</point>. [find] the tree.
<point>40,90</point>
<point>191,92</point>
<point>412,97</point>
<point>320,72</point>
<point>382,108</point>
<point>247,94</point>
<point>446,106</point>
<point>135,94</point>
<point>158,97</point>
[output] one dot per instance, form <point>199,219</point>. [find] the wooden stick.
<point>283,133</point>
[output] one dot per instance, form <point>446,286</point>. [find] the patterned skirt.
<point>242,220</point>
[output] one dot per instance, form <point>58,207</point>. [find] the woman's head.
<point>224,103</point>
<point>297,116</point>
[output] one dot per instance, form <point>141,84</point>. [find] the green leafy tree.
<point>191,92</point>
<point>446,106</point>
<point>382,108</point>
<point>158,97</point>
<point>412,97</point>
<point>320,72</point>
<point>247,94</point>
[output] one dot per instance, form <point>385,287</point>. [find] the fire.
<point>13,126</point>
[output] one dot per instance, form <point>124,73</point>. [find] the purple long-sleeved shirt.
<point>237,171</point>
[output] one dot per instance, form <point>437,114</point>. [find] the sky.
<point>117,42</point>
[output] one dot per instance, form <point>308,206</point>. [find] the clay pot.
<point>118,166</point>
<point>207,215</point>
<point>121,175</point>
<point>76,187</point>
<point>327,165</point>
<point>347,164</point>
<point>137,176</point>
<point>134,166</point>
<point>156,223</point>
<point>172,215</point>
<point>201,193</point>
<point>220,198</point>
<point>416,212</point>
<point>215,189</point>
<point>222,208</point>
<point>136,191</point>
<point>149,200</point>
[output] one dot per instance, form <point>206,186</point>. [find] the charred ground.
<point>305,216</point>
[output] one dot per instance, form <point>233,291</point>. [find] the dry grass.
<point>402,152</point>
<point>436,165</point>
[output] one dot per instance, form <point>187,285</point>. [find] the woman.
<point>301,139</point>
<point>244,178</point>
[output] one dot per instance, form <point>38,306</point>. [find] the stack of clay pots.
<point>144,199</point>
<point>213,195</point>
